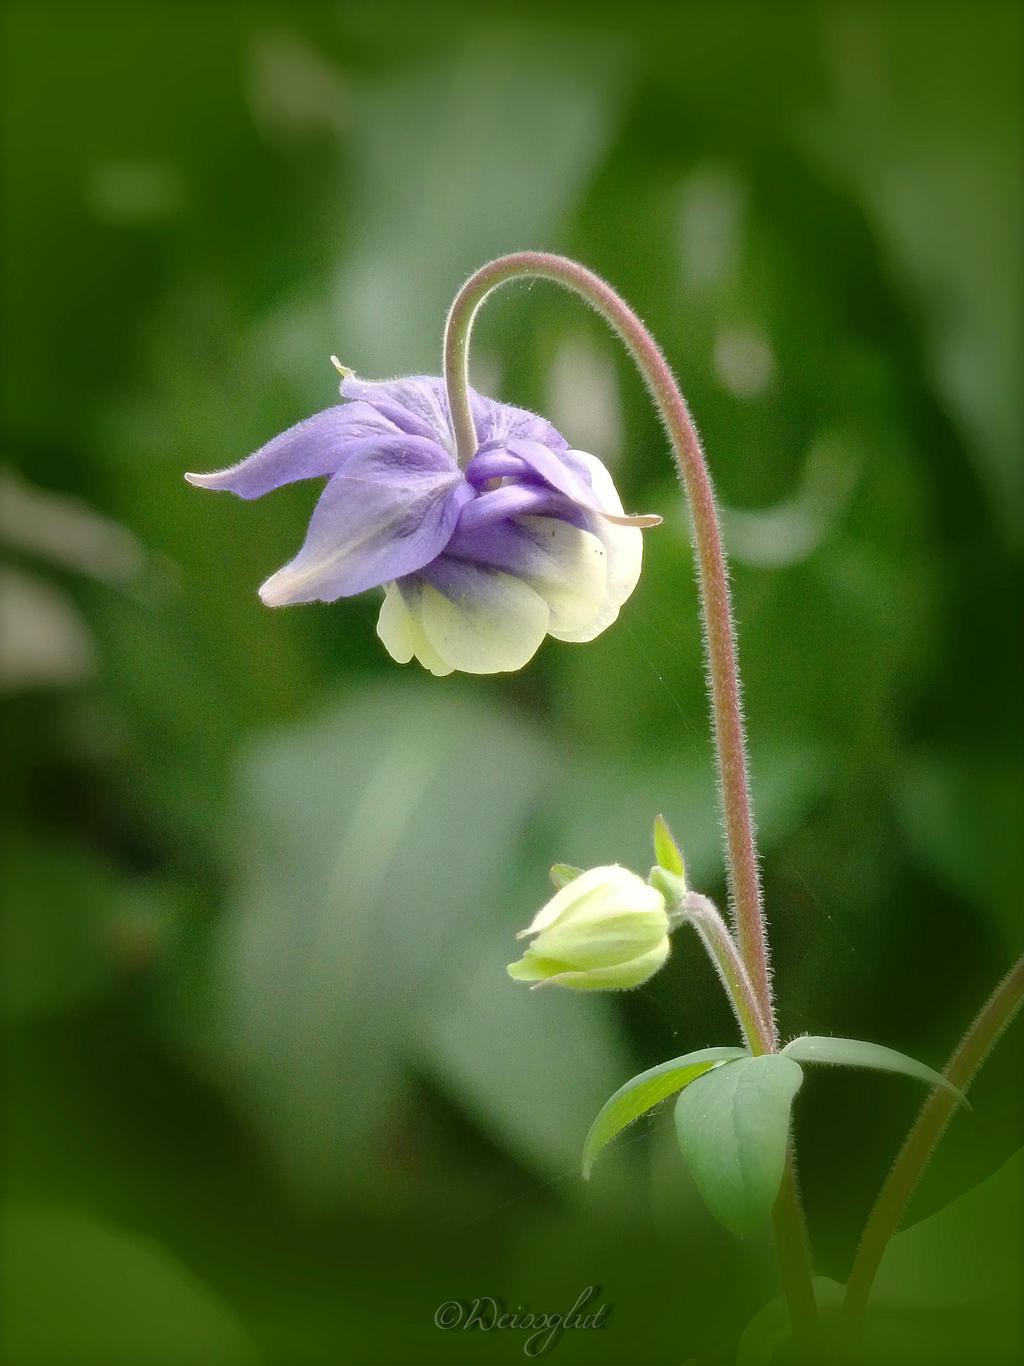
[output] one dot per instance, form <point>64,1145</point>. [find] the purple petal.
<point>496,464</point>
<point>310,449</point>
<point>553,469</point>
<point>503,545</point>
<point>419,405</point>
<point>416,405</point>
<point>388,513</point>
<point>508,544</point>
<point>511,500</point>
<point>500,422</point>
<point>568,473</point>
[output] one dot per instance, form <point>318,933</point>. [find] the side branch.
<point>932,1120</point>
<point>703,915</point>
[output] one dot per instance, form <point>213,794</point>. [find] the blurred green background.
<point>270,1096</point>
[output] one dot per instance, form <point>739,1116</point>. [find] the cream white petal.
<point>560,902</point>
<point>624,549</point>
<point>603,938</point>
<point>403,636</point>
<point>610,884</point>
<point>480,620</point>
<point>619,977</point>
<point>395,627</point>
<point>569,571</point>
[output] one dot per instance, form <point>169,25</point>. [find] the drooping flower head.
<point>477,565</point>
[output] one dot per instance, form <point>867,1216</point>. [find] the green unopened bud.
<point>606,930</point>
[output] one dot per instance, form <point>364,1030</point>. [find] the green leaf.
<point>645,1090</point>
<point>348,821</point>
<point>771,1325</point>
<point>562,874</point>
<point>733,1129</point>
<point>971,1251</point>
<point>77,1288</point>
<point>859,1053</point>
<point>666,851</point>
<point>60,906</point>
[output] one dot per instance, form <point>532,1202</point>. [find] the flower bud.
<point>604,930</point>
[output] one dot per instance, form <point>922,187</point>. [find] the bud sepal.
<point>673,889</point>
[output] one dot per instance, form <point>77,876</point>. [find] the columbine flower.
<point>606,929</point>
<point>478,565</point>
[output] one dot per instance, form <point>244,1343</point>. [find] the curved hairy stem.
<point>720,646</point>
<point>730,737</point>
<point>705,918</point>
<point>925,1133</point>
